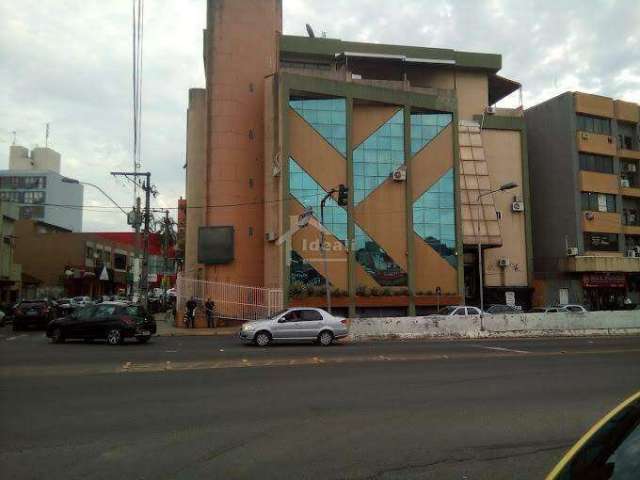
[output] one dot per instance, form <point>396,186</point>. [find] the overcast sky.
<point>68,62</point>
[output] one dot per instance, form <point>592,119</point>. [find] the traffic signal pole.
<point>342,201</point>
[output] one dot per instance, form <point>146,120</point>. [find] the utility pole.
<point>148,191</point>
<point>166,238</point>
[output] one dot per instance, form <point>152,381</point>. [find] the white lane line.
<point>502,349</point>
<point>11,338</point>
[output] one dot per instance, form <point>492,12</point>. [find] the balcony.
<point>596,143</point>
<point>594,105</point>
<point>601,222</point>
<point>598,182</point>
<point>630,154</point>
<point>630,178</point>
<point>602,263</point>
<point>631,216</point>
<point>626,111</point>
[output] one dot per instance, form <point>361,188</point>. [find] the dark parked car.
<point>112,321</point>
<point>28,313</point>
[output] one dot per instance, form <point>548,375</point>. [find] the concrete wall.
<point>519,325</point>
<point>195,177</point>
<point>41,158</point>
<point>504,158</point>
<point>60,193</point>
<point>472,89</point>
<point>553,168</point>
<point>241,49</point>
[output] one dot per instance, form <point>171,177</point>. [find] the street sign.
<point>510,298</point>
<point>104,275</point>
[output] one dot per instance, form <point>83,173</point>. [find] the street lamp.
<point>502,188</point>
<point>78,182</point>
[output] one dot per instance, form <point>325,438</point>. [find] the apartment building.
<point>10,271</point>
<point>410,131</point>
<point>584,154</point>
<point>33,182</point>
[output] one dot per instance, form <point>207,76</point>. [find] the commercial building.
<point>584,154</point>
<point>410,131</point>
<point>63,263</point>
<point>10,271</point>
<point>34,183</point>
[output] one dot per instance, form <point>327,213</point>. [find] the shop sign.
<point>604,280</point>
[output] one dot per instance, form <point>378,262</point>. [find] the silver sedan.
<point>296,324</point>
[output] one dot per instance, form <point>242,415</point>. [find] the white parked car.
<point>81,301</point>
<point>459,310</point>
<point>296,324</point>
<point>571,308</point>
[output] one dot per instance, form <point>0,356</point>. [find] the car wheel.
<point>114,337</point>
<point>143,339</point>
<point>57,336</point>
<point>262,339</point>
<point>325,338</point>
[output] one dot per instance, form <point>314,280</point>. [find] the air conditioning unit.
<point>632,253</point>
<point>517,207</point>
<point>503,262</point>
<point>624,183</point>
<point>572,251</point>
<point>631,167</point>
<point>637,249</point>
<point>589,215</point>
<point>399,174</point>
<point>271,236</point>
<point>584,136</point>
<point>490,110</point>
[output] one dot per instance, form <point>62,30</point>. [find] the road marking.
<point>501,349</point>
<point>11,338</point>
<point>171,351</point>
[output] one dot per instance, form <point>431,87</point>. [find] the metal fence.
<point>237,302</point>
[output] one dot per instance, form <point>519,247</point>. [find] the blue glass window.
<point>425,127</point>
<point>328,117</point>
<point>376,261</point>
<point>434,218</point>
<point>309,193</point>
<point>378,156</point>
<point>303,273</point>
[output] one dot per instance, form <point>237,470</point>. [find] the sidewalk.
<point>166,328</point>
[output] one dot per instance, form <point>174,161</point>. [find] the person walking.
<point>210,310</point>
<point>191,312</point>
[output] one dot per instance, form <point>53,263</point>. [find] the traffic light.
<point>343,195</point>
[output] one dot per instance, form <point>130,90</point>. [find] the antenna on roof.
<point>310,31</point>
<point>14,137</point>
<point>46,136</point>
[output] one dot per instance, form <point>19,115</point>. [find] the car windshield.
<point>447,310</point>
<point>278,314</point>
<point>613,451</point>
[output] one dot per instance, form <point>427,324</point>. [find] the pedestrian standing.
<point>210,310</point>
<point>191,312</point>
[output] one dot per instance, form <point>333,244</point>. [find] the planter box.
<point>381,301</point>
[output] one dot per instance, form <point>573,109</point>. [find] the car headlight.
<point>246,327</point>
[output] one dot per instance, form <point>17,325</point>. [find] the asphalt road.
<point>208,407</point>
